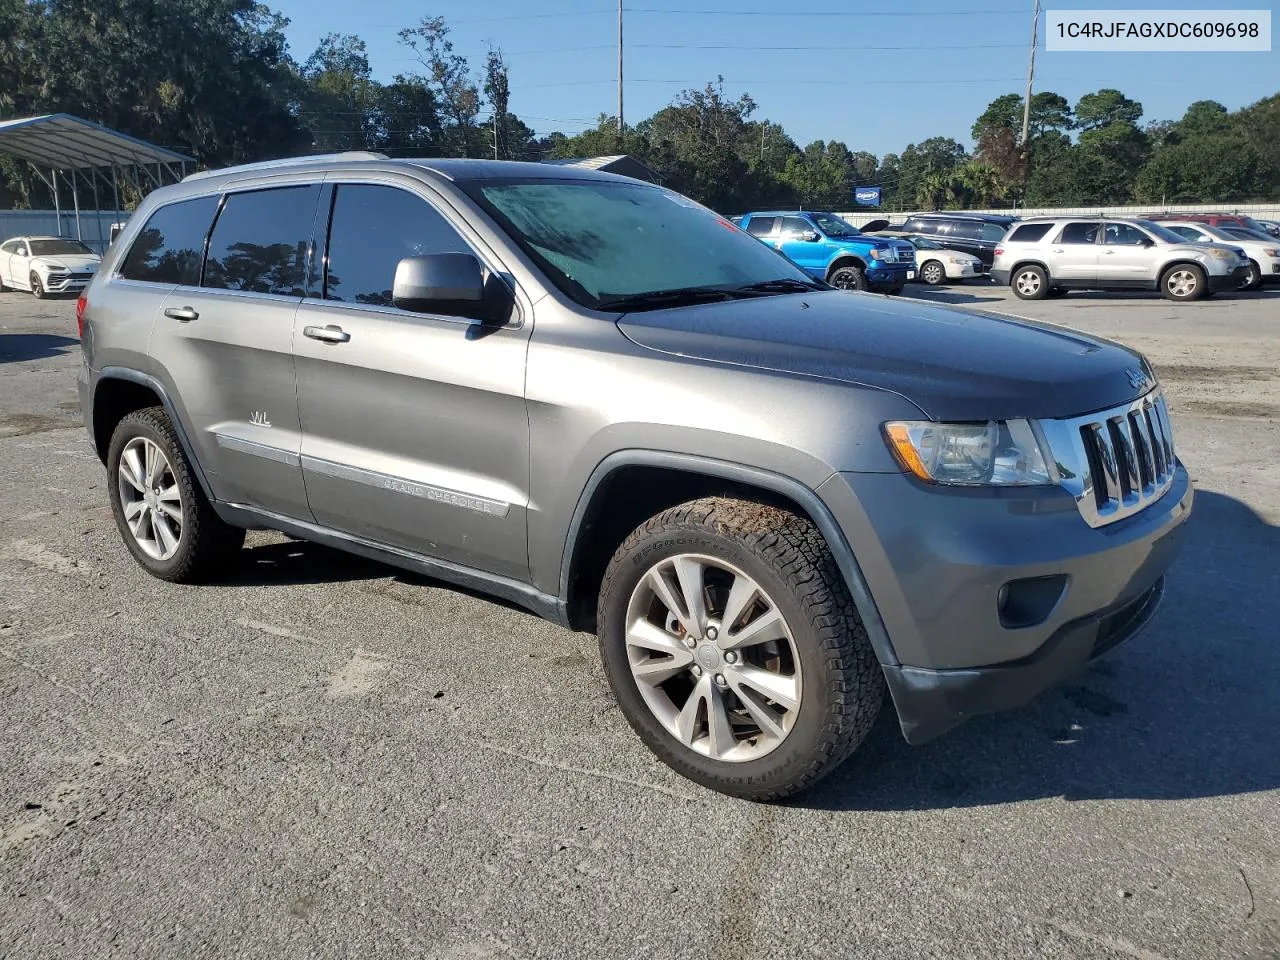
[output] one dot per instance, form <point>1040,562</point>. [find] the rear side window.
<point>967,230</point>
<point>1079,233</point>
<point>761,226</point>
<point>372,230</point>
<point>259,244</point>
<point>171,245</point>
<point>922,226</point>
<point>1030,232</point>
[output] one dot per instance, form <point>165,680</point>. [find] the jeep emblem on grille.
<point>1137,378</point>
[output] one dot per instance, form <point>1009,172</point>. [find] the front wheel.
<point>933,273</point>
<point>848,278</point>
<point>1030,283</point>
<point>37,288</point>
<point>734,650</point>
<point>1184,282</point>
<point>1252,279</point>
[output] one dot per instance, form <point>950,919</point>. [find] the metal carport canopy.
<point>63,142</point>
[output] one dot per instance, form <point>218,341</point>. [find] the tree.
<point>1107,106</point>
<point>408,123</point>
<point>339,100</point>
<point>449,79</point>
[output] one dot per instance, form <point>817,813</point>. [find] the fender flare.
<point>778,483</point>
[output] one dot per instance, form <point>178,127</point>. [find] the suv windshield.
<point>54,248</point>
<point>1161,232</point>
<point>601,242</point>
<point>833,226</point>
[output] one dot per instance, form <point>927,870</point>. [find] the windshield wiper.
<point>656,299</point>
<point>781,285</point>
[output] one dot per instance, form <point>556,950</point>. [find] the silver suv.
<point>1045,257</point>
<point>772,501</point>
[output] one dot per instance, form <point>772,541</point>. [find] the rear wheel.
<point>1030,283</point>
<point>933,273</point>
<point>162,514</point>
<point>1184,281</point>
<point>734,650</point>
<point>848,278</point>
<point>37,288</point>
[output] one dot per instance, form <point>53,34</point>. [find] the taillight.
<point>999,251</point>
<point>80,316</point>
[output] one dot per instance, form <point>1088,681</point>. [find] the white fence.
<point>1265,211</point>
<point>95,226</point>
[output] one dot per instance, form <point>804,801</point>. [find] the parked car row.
<point>1183,256</point>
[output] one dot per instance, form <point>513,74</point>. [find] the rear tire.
<point>37,288</point>
<point>683,608</point>
<point>933,273</point>
<point>1184,282</point>
<point>848,278</point>
<point>161,511</point>
<point>1030,283</point>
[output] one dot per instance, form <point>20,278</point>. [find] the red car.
<point>1213,220</point>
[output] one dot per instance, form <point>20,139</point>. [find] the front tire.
<point>933,273</point>
<point>734,649</point>
<point>848,278</point>
<point>37,288</point>
<point>1252,279</point>
<point>1184,282</point>
<point>162,514</point>
<point>1030,283</point>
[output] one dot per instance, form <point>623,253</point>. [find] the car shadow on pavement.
<point>1187,709</point>
<point>16,347</point>
<point>951,295</point>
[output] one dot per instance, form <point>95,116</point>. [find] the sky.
<point>876,76</point>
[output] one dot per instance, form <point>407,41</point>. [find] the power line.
<point>843,81</point>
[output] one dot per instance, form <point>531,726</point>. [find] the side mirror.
<point>810,237</point>
<point>447,283</point>
<point>1146,242</point>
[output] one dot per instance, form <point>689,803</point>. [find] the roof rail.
<point>288,162</point>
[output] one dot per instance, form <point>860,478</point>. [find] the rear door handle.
<point>329,334</point>
<point>184,314</point>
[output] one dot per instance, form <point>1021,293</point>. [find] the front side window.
<point>59,248</point>
<point>796,227</point>
<point>373,229</point>
<point>761,226</point>
<point>602,242</point>
<point>1123,235</point>
<point>1079,233</point>
<point>169,248</point>
<point>259,244</point>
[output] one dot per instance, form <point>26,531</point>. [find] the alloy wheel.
<point>1182,283</point>
<point>713,658</point>
<point>1028,283</point>
<point>151,498</point>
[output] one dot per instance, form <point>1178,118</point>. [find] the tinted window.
<point>1079,233</point>
<point>259,243</point>
<point>967,230</point>
<point>993,231</point>
<point>796,227</point>
<point>373,229</point>
<point>170,246</point>
<point>1123,235</point>
<point>1030,232</point>
<point>761,226</point>
<point>922,226</point>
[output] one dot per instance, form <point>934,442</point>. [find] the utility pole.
<point>620,123</point>
<point>1031,73</point>
<point>495,134</point>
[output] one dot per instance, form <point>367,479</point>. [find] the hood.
<point>80,263</point>
<point>954,364</point>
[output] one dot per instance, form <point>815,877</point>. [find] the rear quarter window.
<point>170,247</point>
<point>1029,232</point>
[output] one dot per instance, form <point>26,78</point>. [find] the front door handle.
<point>184,314</point>
<point>1109,253</point>
<point>1058,250</point>
<point>329,334</point>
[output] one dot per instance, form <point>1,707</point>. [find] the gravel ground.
<point>326,757</point>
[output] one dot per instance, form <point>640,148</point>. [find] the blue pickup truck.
<point>826,247</point>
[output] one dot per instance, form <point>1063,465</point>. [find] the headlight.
<point>995,453</point>
<point>1271,252</point>
<point>1221,254</point>
<point>876,253</point>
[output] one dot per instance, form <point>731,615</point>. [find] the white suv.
<point>1047,256</point>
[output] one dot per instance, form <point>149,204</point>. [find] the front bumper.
<point>935,560</point>
<point>66,283</point>
<point>1270,271</point>
<point>889,276</point>
<point>1228,281</point>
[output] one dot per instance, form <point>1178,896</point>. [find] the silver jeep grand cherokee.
<point>772,501</point>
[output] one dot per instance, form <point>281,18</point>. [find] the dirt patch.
<point>1197,373</point>
<point>25,424</point>
<point>1229,408</point>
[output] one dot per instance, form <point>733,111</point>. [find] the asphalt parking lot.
<point>326,757</point>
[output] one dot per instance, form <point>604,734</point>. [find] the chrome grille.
<point>1115,462</point>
